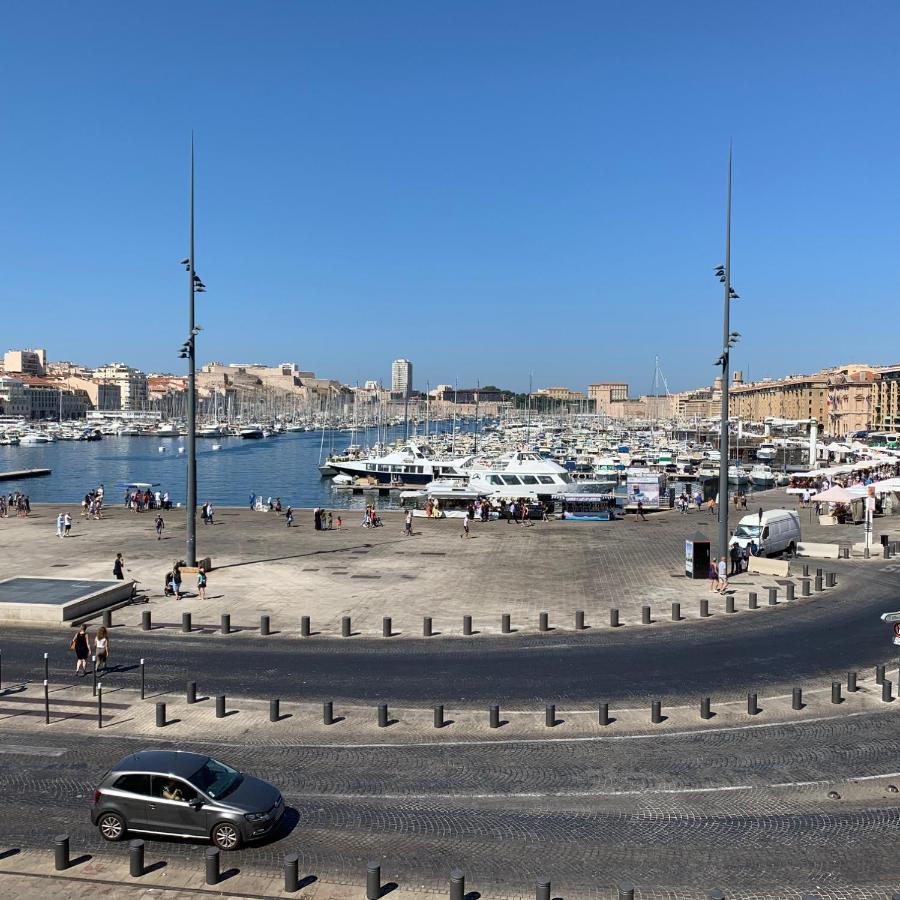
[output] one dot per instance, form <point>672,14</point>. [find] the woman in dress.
<point>101,648</point>
<point>81,644</point>
<point>201,583</point>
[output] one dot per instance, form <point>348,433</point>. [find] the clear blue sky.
<point>487,188</point>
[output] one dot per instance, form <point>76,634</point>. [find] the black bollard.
<point>645,615</point>
<point>752,706</point>
<point>304,632</point>
<point>851,683</point>
<point>820,572</point>
<point>107,618</point>
<point>705,712</point>
<point>626,891</point>
<point>100,705</point>
<point>212,865</point>
<point>274,709</point>
<point>505,627</point>
<point>613,618</point>
<point>160,715</point>
<point>328,712</point>
<point>61,852</point>
<point>830,579</point>
<point>265,628</point>
<point>373,880</point>
<point>185,622</point>
<point>457,884</point>
<point>797,698</point>
<point>805,588</point>
<point>220,706</point>
<point>291,873</point>
<point>806,570</point>
<point>604,714</point>
<point>773,596</point>
<point>494,717</point>
<point>543,622</point>
<point>191,692</point>
<point>836,692</point>
<point>382,715</point>
<point>676,612</point>
<point>550,715</point>
<point>93,675</point>
<point>387,628</point>
<point>143,680</point>
<point>136,858</point>
<point>46,702</point>
<point>345,626</point>
<point>752,602</point>
<point>426,627</point>
<point>704,608</point>
<point>542,888</point>
<point>439,716</point>
<point>729,603</point>
<point>146,620</point>
<point>818,585</point>
<point>579,620</point>
<point>789,592</point>
<point>467,625</point>
<point>886,695</point>
<point>879,674</point>
<point>656,712</point>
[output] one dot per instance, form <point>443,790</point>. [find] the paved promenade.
<point>262,567</point>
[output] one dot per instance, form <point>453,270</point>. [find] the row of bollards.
<point>375,889</point>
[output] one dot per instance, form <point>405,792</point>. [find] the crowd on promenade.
<point>14,503</point>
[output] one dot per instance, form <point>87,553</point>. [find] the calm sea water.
<point>285,466</point>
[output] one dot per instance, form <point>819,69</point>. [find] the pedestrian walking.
<point>289,517</point>
<point>330,522</point>
<point>640,511</point>
<point>101,649</point>
<point>252,502</point>
<point>210,512</point>
<point>713,575</point>
<point>407,530</point>
<point>201,583</point>
<point>734,553</point>
<point>317,518</point>
<point>118,567</point>
<point>723,575</point>
<point>81,644</point>
<point>67,524</point>
<point>60,524</point>
<point>759,515</point>
<point>204,515</point>
<point>176,580</point>
<point>340,522</point>
<point>160,526</point>
<point>465,531</point>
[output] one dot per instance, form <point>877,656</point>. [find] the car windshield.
<point>215,779</point>
<point>747,531</point>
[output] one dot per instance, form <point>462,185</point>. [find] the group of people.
<point>323,520</point>
<point>141,500</point>
<point>92,504</point>
<point>14,503</point>
<point>81,645</point>
<point>207,511</point>
<point>63,525</point>
<point>370,518</point>
<point>173,583</point>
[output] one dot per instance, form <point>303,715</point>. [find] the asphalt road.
<point>746,809</point>
<point>722,657</point>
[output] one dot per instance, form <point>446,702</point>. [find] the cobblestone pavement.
<point>748,810</point>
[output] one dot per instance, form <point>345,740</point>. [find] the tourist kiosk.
<point>591,507</point>
<point>696,555</point>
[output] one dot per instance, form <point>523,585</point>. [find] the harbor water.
<point>284,466</point>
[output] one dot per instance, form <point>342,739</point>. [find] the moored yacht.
<point>762,476</point>
<point>412,464</point>
<point>518,474</point>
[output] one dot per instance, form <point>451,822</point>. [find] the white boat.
<point>762,476</point>
<point>252,432</point>
<point>35,437</point>
<point>518,474</point>
<point>766,450</point>
<point>736,475</point>
<point>167,429</point>
<point>411,464</point>
<point>342,479</point>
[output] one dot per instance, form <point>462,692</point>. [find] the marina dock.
<point>24,473</point>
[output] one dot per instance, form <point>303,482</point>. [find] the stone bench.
<point>193,570</point>
<point>762,565</point>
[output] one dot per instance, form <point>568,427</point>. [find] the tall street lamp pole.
<point>188,352</point>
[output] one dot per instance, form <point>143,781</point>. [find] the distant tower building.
<point>401,377</point>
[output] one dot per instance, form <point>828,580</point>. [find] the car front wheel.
<point>226,836</point>
<point>112,826</point>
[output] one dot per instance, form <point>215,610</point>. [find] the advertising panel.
<point>644,488</point>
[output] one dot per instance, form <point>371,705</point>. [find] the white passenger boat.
<point>766,450</point>
<point>736,475</point>
<point>412,464</point>
<point>518,474</point>
<point>762,476</point>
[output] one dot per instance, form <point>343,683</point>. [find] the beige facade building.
<point>605,393</point>
<point>102,394</point>
<point>14,399</point>
<point>132,384</point>
<point>886,399</point>
<point>25,362</point>
<point>560,393</point>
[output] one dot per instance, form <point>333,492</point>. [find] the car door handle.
<point>152,805</point>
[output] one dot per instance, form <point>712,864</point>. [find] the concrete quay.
<point>263,568</point>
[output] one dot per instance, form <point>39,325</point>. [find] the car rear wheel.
<point>112,826</point>
<point>226,836</point>
<point>792,549</point>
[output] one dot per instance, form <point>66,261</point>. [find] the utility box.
<point>696,555</point>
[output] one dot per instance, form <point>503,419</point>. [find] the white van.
<point>779,530</point>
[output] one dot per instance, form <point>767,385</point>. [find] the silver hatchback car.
<point>178,794</point>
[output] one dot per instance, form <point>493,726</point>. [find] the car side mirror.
<point>196,803</point>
